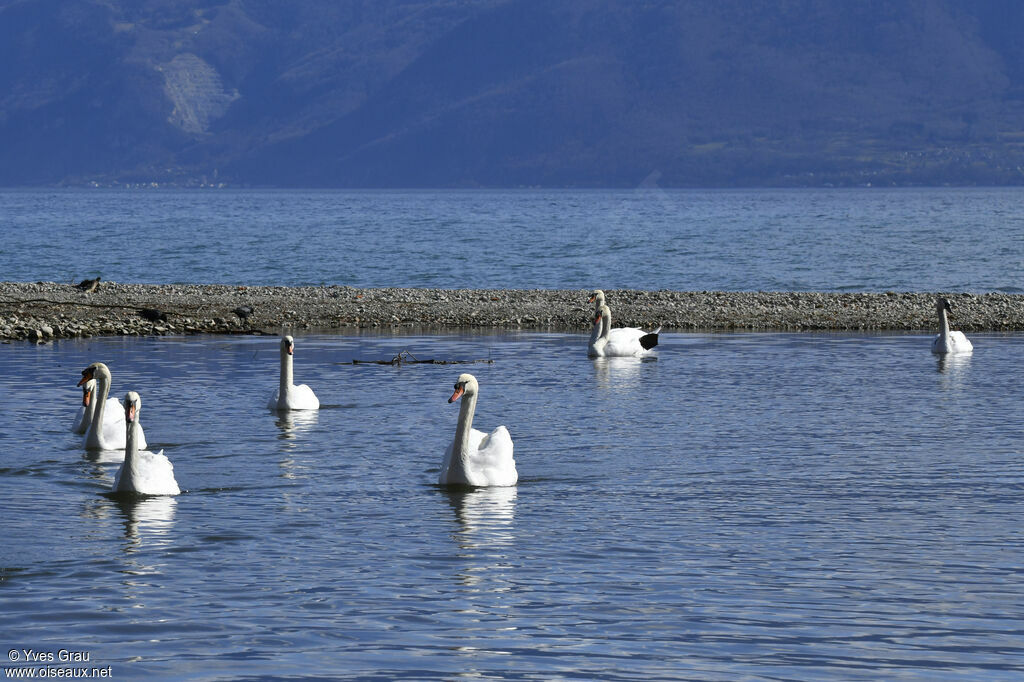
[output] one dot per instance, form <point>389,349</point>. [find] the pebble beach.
<point>43,311</point>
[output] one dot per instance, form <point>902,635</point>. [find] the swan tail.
<point>649,341</point>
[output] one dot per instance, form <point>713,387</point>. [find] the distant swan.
<point>621,342</point>
<point>947,341</point>
<point>112,413</point>
<point>475,458</point>
<point>288,396</point>
<point>104,433</point>
<point>144,472</point>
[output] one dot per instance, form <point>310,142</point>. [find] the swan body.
<point>947,341</point>
<point>103,432</point>
<point>143,472</point>
<point>112,413</point>
<point>289,396</point>
<point>475,458</point>
<point>621,342</point>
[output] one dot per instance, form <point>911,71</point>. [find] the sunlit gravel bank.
<point>42,311</point>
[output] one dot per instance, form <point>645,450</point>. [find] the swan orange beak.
<point>459,390</point>
<point>86,375</point>
<point>129,412</point>
<point>86,398</point>
<point>291,349</point>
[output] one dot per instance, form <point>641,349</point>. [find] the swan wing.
<point>299,397</point>
<point>627,341</point>
<point>959,343</point>
<point>153,475</point>
<point>955,342</point>
<point>492,458</point>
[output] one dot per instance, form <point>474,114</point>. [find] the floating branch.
<point>407,358</point>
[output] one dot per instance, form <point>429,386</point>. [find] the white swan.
<point>288,396</point>
<point>104,433</point>
<point>112,413</point>
<point>946,341</point>
<point>475,458</point>
<point>621,342</point>
<point>144,472</point>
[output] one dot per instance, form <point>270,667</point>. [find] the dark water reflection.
<point>743,506</point>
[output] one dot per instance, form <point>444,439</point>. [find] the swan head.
<point>603,313</point>
<point>942,303</point>
<point>132,405</point>
<point>94,371</point>
<point>87,390</point>
<point>464,385</point>
<point>288,345</point>
<point>598,296</point>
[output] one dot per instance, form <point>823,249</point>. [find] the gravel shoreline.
<point>42,311</point>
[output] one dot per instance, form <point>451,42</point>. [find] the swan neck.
<point>131,446</point>
<point>943,323</point>
<point>606,325</point>
<point>462,431</point>
<point>286,371</point>
<point>100,401</point>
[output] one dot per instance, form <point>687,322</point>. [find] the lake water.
<point>747,506</point>
<point>739,240</point>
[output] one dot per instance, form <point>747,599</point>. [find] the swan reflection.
<point>485,516</point>
<point>954,369</point>
<point>486,525</point>
<point>293,423</point>
<point>147,520</point>
<point>619,373</point>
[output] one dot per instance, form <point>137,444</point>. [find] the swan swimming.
<point>621,342</point>
<point>947,341</point>
<point>288,396</point>
<point>104,433</point>
<point>475,458</point>
<point>144,472</point>
<point>112,413</point>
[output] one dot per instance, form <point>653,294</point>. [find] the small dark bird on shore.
<point>89,285</point>
<point>243,311</point>
<point>153,315</point>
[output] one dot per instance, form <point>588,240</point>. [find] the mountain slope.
<point>512,92</point>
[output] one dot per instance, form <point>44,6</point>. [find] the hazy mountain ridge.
<point>511,92</point>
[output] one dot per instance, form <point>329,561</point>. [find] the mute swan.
<point>112,413</point>
<point>621,342</point>
<point>288,396</point>
<point>946,341</point>
<point>144,472</point>
<point>104,433</point>
<point>475,458</point>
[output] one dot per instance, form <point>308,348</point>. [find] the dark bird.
<point>89,285</point>
<point>153,315</point>
<point>243,311</point>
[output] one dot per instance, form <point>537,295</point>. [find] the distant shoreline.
<point>41,311</point>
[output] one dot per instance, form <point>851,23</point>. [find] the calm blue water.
<point>790,240</point>
<point>747,506</point>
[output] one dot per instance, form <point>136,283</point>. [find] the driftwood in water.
<point>407,358</point>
